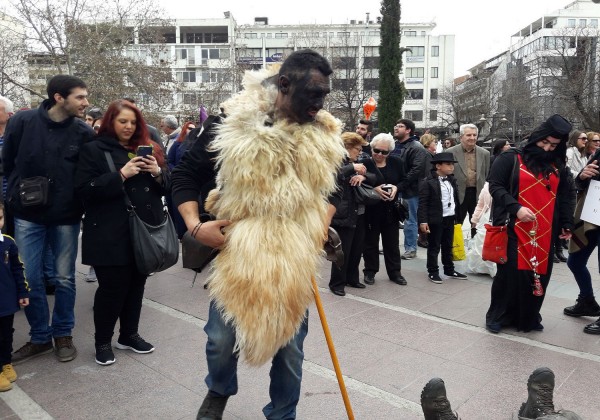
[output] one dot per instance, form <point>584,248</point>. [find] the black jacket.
<point>431,209</point>
<point>34,145</point>
<point>106,240</point>
<point>394,174</point>
<point>414,158</point>
<point>346,213</point>
<point>504,169</point>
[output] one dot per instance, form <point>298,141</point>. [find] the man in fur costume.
<point>274,159</point>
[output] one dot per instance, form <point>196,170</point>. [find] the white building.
<point>211,54</point>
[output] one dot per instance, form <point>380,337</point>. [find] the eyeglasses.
<point>583,138</point>
<point>399,126</point>
<point>382,152</point>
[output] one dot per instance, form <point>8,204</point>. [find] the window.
<point>434,72</point>
<point>433,94</point>
<point>415,72</point>
<point>416,52</point>
<point>281,35</point>
<point>413,115</point>
<point>410,33</point>
<point>344,63</point>
<point>186,76</point>
<point>251,36</point>
<point>213,54</point>
<point>414,94</point>
<point>593,23</point>
<point>435,50</point>
<point>433,115</point>
<point>343,34</point>
<point>582,23</point>
<point>371,63</point>
<point>571,23</point>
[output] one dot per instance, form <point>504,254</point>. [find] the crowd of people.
<point>68,168</point>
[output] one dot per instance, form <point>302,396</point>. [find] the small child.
<point>13,292</point>
<point>438,202</point>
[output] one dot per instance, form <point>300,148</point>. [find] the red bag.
<point>495,244</point>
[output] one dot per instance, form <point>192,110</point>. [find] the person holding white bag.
<point>474,262</point>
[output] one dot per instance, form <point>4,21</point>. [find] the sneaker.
<point>435,278</point>
<point>90,277</point>
<point>5,384</point>
<point>104,354</point>
<point>9,372</point>
<point>212,407</point>
<point>434,402</point>
<point>456,275</point>
<point>369,279</point>
<point>409,255</point>
<point>64,349</point>
<point>135,343</point>
<point>31,350</point>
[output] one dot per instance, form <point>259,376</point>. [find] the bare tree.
<point>565,77</point>
<point>13,64</point>
<point>99,44</point>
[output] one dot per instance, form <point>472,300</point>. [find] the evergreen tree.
<point>391,90</point>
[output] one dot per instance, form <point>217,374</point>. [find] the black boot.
<point>369,279</point>
<point>559,254</point>
<point>434,403</point>
<point>212,407</point>
<point>584,306</point>
<point>593,328</point>
<point>540,389</point>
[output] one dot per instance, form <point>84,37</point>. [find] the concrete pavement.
<point>390,341</point>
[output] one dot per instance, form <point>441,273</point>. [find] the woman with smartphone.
<point>140,174</point>
<point>381,219</point>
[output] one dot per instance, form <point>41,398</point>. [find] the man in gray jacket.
<point>471,170</point>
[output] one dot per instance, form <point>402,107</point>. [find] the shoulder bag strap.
<point>112,167</point>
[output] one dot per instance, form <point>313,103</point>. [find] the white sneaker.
<point>90,277</point>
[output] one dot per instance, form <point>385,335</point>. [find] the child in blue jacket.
<point>14,291</point>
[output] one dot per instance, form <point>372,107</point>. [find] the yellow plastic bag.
<point>458,244</point>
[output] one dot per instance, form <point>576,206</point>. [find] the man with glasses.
<point>414,157</point>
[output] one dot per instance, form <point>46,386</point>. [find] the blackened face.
<point>306,96</point>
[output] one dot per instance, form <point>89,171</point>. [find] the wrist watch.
<point>158,174</point>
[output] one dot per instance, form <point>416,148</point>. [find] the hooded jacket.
<point>34,145</point>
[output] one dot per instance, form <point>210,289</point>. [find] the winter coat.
<point>414,158</point>
<point>34,145</point>
<point>431,208</point>
<point>106,238</point>
<point>347,211</point>
<point>13,285</point>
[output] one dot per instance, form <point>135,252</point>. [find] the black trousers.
<point>468,206</point>
<point>119,296</point>
<point>390,239</point>
<point>352,245</point>
<point>441,236</point>
<point>6,339</point>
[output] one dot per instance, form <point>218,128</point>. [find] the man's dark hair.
<point>408,124</point>
<point>63,84</point>
<point>300,62</point>
<point>368,123</point>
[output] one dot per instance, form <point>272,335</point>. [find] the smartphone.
<point>387,188</point>
<point>144,151</point>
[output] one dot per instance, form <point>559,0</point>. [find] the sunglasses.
<point>596,141</point>
<point>382,152</point>
<point>583,138</point>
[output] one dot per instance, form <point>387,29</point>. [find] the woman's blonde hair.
<point>352,139</point>
<point>427,139</point>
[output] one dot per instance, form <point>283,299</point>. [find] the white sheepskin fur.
<point>273,183</point>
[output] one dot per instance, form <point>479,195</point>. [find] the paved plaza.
<point>390,341</point>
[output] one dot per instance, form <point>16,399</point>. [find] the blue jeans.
<point>31,239</point>
<point>410,225</point>
<point>577,263</point>
<point>286,368</point>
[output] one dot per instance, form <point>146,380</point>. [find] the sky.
<point>482,28</point>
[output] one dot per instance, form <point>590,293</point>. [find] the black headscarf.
<point>539,161</point>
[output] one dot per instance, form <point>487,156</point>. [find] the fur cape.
<point>274,178</point>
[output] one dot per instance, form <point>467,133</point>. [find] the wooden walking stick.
<point>334,359</point>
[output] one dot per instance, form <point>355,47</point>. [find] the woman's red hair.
<point>141,136</point>
<point>184,131</point>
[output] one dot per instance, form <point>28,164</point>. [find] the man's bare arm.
<point>209,233</point>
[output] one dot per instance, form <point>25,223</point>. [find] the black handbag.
<point>33,192</point>
<point>400,210</point>
<point>155,248</point>
<point>194,254</point>
<point>365,194</point>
